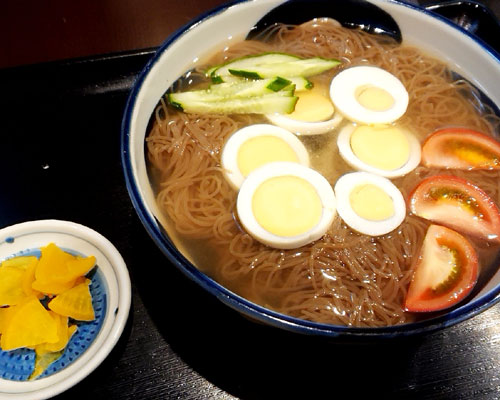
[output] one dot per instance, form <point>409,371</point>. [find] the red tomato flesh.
<point>445,273</point>
<point>461,148</point>
<point>457,204</point>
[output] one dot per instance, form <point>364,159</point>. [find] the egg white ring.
<point>305,128</point>
<point>229,157</point>
<point>345,150</point>
<point>343,94</point>
<point>343,188</point>
<point>284,168</point>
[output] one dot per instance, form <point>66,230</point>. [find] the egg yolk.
<point>261,150</point>
<point>371,202</point>
<point>312,106</point>
<point>383,147</point>
<point>374,98</point>
<point>286,206</point>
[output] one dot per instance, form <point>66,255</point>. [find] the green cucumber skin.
<point>308,85</point>
<point>271,64</point>
<point>278,83</point>
<point>245,74</point>
<point>300,83</point>
<point>270,58</point>
<point>302,68</point>
<point>263,83</point>
<point>194,97</point>
<point>216,79</point>
<point>250,88</point>
<point>226,92</point>
<point>204,96</point>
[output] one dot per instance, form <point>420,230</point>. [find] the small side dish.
<point>65,301</point>
<point>42,300</point>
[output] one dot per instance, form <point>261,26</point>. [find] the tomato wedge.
<point>461,148</point>
<point>446,271</point>
<point>457,204</point>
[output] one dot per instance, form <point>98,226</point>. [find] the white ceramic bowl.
<point>472,58</point>
<point>111,293</point>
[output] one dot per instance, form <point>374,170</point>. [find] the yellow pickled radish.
<point>64,332</point>
<point>26,322</point>
<point>11,290</point>
<point>57,270</point>
<point>28,279</point>
<point>5,314</point>
<point>42,362</point>
<point>29,324</point>
<point>20,261</point>
<point>44,355</point>
<point>52,287</point>
<point>52,265</point>
<point>3,317</point>
<point>75,303</point>
<point>80,266</point>
<point>80,279</point>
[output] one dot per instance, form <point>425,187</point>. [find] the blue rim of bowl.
<point>239,303</point>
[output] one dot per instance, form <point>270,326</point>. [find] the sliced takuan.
<point>5,314</point>
<point>28,279</point>
<point>57,270</point>
<point>42,362</point>
<point>63,331</point>
<point>11,289</point>
<point>28,325</point>
<point>52,265</point>
<point>20,261</point>
<point>75,303</point>
<point>80,266</point>
<point>52,287</point>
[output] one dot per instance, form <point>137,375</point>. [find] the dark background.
<point>33,31</point>
<point>66,68</point>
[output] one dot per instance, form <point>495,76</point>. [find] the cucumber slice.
<point>272,93</point>
<point>301,83</point>
<point>282,102</point>
<point>243,88</point>
<point>219,72</point>
<point>304,68</point>
<point>275,84</point>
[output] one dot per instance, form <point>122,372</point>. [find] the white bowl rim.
<point>159,236</point>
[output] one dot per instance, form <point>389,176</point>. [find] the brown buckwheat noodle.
<point>344,278</point>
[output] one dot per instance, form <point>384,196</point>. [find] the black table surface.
<point>60,153</point>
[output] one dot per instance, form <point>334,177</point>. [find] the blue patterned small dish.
<point>92,342</point>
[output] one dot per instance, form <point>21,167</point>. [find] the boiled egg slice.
<point>386,150</point>
<point>286,205</point>
<point>369,203</point>
<point>369,95</point>
<point>256,145</point>
<point>314,113</point>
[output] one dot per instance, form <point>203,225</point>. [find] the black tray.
<point>60,157</point>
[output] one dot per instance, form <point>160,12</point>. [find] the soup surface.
<point>344,278</point>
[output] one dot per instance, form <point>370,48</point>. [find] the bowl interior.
<point>226,25</point>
